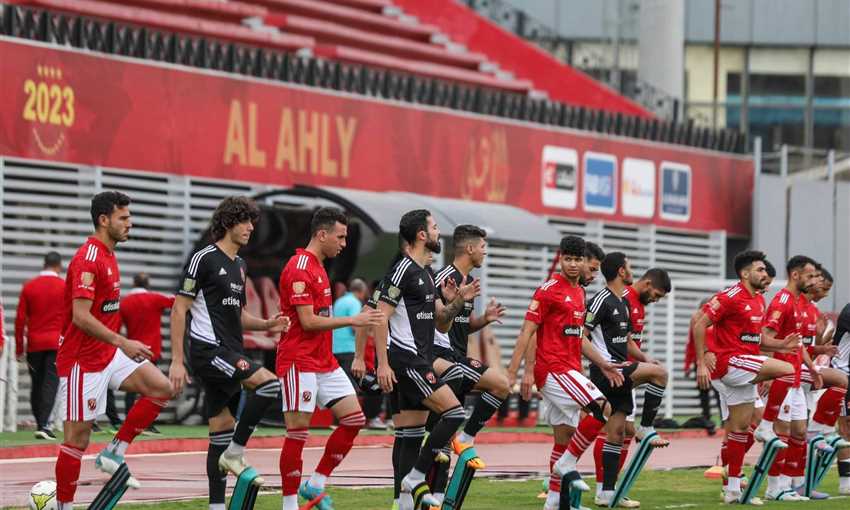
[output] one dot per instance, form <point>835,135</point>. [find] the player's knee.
<point>501,388</point>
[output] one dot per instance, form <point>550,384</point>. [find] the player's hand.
<point>494,311</point>
<point>471,290</point>
<point>526,385</point>
<point>135,350</point>
<point>792,341</point>
<point>278,324</point>
<point>612,372</point>
<point>449,289</point>
<point>831,350</point>
<point>368,317</point>
<point>511,378</point>
<point>703,377</point>
<point>386,378</point>
<point>178,377</point>
<point>358,368</point>
<point>817,380</point>
<point>709,359</point>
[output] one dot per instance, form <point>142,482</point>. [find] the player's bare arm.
<point>89,325</point>
<point>635,352</point>
<point>769,342</point>
<point>358,365</point>
<point>609,370</point>
<point>493,313</point>
<point>456,298</point>
<point>528,330</point>
<point>177,370</point>
<point>386,377</point>
<point>704,365</point>
<point>277,324</point>
<point>312,322</point>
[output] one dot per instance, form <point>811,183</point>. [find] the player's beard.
<point>433,245</point>
<point>644,299</point>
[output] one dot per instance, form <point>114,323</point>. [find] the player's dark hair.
<point>798,262</point>
<point>771,270</point>
<point>464,234</point>
<point>611,265</point>
<point>658,278</point>
<point>412,223</point>
<point>52,259</point>
<point>141,280</point>
<point>745,259</point>
<point>574,246</point>
<point>106,202</point>
<point>593,251</point>
<point>325,219</point>
<point>231,212</point>
<point>826,275</point>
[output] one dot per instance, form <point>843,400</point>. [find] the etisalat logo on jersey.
<point>111,306</point>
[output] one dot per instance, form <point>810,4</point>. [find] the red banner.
<point>70,106</point>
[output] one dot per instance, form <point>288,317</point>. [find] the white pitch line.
<point>684,505</point>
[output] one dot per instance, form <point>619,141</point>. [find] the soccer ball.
<point>43,496</point>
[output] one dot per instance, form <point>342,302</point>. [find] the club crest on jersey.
<point>92,403</point>
<point>430,377</point>
<point>188,285</point>
<point>714,304</point>
<point>87,278</point>
<point>589,317</point>
<point>242,364</point>
<point>307,396</point>
<point>776,314</point>
<point>474,363</point>
<point>394,292</point>
<point>298,287</point>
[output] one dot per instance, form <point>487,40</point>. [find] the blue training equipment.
<point>570,496</point>
<point>760,470</point>
<point>634,468</point>
<point>460,481</point>
<point>245,492</point>
<point>112,492</point>
<point>818,464</point>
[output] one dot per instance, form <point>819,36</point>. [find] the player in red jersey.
<point>737,366</point>
<point>556,315</point>
<point>93,357</point>
<point>650,288</point>
<point>308,371</point>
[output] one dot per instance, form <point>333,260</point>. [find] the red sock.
<point>291,461</point>
<point>795,459</point>
<point>778,465</point>
<point>829,406</point>
<point>624,453</point>
<point>736,443</point>
<point>141,416</point>
<point>597,454</point>
<point>67,472</point>
<point>778,390</point>
<point>554,481</point>
<point>340,442</point>
<point>751,438</point>
<point>587,430</point>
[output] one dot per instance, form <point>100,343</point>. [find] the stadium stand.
<point>371,47</point>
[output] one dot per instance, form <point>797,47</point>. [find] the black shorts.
<point>620,398</point>
<point>221,372</point>
<point>470,369</point>
<point>416,381</point>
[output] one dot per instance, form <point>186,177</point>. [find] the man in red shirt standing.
<point>141,314</point>
<point>38,325</point>
<point>556,316</point>
<point>93,357</point>
<point>308,371</point>
<point>737,366</point>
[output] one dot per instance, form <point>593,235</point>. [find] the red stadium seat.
<point>216,10</point>
<point>366,5</point>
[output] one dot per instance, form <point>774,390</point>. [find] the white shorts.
<point>565,394</point>
<point>303,390</point>
<point>723,391</point>
<point>742,370</point>
<point>794,407</point>
<point>82,395</point>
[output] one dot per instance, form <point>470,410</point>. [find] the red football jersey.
<point>38,316</point>
<point>637,315</point>
<point>784,317</point>
<point>305,282</point>
<point>809,315</point>
<point>737,317</point>
<point>558,308</point>
<point>141,313</point>
<point>92,274</point>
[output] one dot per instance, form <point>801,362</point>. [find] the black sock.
<point>433,418</point>
<point>844,468</point>
<point>610,465</point>
<point>400,434</point>
<point>410,446</point>
<point>651,402</point>
<point>440,436</point>
<point>441,473</point>
<point>256,405</point>
<point>486,405</point>
<point>216,478</point>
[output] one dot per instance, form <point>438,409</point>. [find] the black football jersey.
<point>410,288</point>
<point>607,321</point>
<point>458,335</point>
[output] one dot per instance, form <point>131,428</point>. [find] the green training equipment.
<point>245,492</point>
<point>112,492</point>
<point>634,468</point>
<point>570,496</point>
<point>460,481</point>
<point>760,470</point>
<point>818,463</point>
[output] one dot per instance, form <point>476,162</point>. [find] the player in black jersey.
<point>209,311</point>
<point>407,297</point>
<point>593,256</point>
<point>608,327</point>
